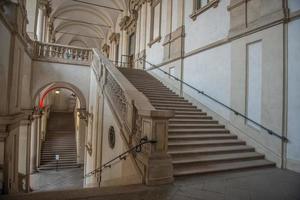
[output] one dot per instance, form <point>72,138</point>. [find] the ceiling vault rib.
<point>72,20</point>
<point>101,6</point>
<point>79,35</point>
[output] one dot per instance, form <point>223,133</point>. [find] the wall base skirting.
<point>293,165</point>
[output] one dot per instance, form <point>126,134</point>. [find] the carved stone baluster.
<point>86,56</point>
<point>62,52</point>
<point>44,50</point>
<point>79,54</point>
<point>75,54</point>
<point>55,52</point>
<point>49,51</point>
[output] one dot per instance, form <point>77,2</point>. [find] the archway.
<point>58,140</point>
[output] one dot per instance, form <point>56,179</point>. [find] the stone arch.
<point>65,85</point>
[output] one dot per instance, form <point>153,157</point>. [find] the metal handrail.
<point>137,148</point>
<point>283,138</point>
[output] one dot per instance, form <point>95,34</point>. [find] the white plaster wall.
<point>271,86</point>
<point>44,73</point>
<point>31,8</point>
<point>254,82</point>
<point>293,147</point>
<point>22,149</point>
<point>90,160</point>
<point>5,38</point>
<point>62,100</point>
<point>155,52</point>
<point>174,15</point>
<point>210,26</point>
<point>123,172</point>
<point>294,5</point>
<point>210,71</point>
<point>25,93</point>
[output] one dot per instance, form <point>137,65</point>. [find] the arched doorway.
<point>58,138</point>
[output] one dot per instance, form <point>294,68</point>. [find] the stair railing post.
<point>159,167</point>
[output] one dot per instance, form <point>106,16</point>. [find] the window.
<point>200,6</point>
<point>155,22</point>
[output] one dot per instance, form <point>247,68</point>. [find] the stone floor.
<point>263,184</point>
<point>46,180</point>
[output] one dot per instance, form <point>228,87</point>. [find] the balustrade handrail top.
<point>63,45</point>
<point>269,131</point>
<point>140,101</point>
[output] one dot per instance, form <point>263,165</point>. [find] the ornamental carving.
<point>106,49</point>
<point>137,129</point>
<point>114,37</point>
<point>128,23</point>
<point>135,5</point>
<point>117,96</point>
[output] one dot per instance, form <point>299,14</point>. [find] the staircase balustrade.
<point>138,119</point>
<point>62,53</point>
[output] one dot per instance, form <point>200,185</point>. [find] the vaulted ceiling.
<point>85,23</point>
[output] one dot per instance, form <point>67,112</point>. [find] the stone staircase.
<point>198,144</point>
<point>60,139</point>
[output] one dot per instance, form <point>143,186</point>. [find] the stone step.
<point>60,161</point>
<point>222,167</point>
<point>150,89</point>
<point>67,152</point>
<point>59,147</point>
<point>195,126</point>
<point>190,112</point>
<point>192,121</point>
<point>195,137</point>
<point>160,98</point>
<point>159,92</point>
<point>178,116</point>
<point>210,150</point>
<point>61,157</point>
<point>178,109</point>
<point>197,131</point>
<point>53,143</point>
<point>206,143</point>
<point>168,102</point>
<point>52,167</point>
<point>172,105</point>
<point>216,158</point>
